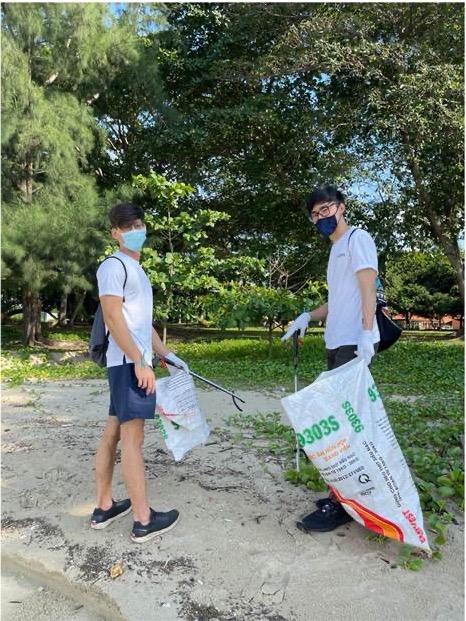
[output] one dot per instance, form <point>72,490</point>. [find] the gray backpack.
<point>98,343</point>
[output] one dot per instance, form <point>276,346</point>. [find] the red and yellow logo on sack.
<point>371,520</point>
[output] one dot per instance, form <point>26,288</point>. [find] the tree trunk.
<point>164,332</point>
<point>449,245</point>
<point>38,329</point>
<point>31,317</point>
<point>25,185</point>
<point>77,308</point>
<point>452,252</point>
<point>270,336</point>
<point>62,313</point>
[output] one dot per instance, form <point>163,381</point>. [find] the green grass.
<point>21,363</point>
<point>81,334</point>
<point>11,334</point>
<point>408,368</point>
<point>27,363</point>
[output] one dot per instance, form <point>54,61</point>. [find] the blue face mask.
<point>134,240</point>
<point>327,226</point>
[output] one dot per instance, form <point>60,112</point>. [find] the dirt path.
<point>235,554</point>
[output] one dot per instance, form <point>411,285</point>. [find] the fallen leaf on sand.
<point>116,570</point>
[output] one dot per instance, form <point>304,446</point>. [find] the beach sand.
<point>236,553</point>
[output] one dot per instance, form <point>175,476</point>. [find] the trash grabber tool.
<point>295,364</point>
<point>233,395</point>
<point>295,358</point>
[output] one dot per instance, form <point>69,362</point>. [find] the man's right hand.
<point>146,378</point>
<point>299,324</point>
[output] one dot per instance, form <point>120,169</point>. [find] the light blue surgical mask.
<point>134,240</point>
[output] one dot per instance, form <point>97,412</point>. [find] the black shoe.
<point>160,522</point>
<point>322,502</point>
<point>101,519</point>
<point>326,518</point>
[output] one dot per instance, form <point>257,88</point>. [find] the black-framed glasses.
<point>322,212</point>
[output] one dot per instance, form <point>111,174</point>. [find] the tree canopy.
<point>251,106</point>
<point>54,57</point>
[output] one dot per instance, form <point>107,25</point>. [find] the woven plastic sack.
<point>178,414</point>
<point>342,426</point>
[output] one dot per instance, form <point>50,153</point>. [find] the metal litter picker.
<point>295,365</point>
<point>232,394</point>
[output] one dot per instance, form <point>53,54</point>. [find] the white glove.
<point>366,347</point>
<point>180,364</point>
<point>300,323</point>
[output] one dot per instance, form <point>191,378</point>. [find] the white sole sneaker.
<point>156,533</point>
<point>102,525</point>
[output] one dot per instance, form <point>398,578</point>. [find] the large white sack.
<point>178,414</point>
<point>341,424</point>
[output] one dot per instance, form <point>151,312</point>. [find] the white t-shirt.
<point>344,319</point>
<point>137,305</point>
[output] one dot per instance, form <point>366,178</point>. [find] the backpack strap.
<point>349,238</point>
<point>124,282</point>
<point>380,290</point>
<point>124,267</point>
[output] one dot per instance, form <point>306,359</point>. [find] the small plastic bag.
<point>178,415</point>
<point>342,426</point>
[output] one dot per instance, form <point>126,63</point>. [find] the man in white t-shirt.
<point>351,328</point>
<point>126,299</point>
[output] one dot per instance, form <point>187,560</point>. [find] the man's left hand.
<point>366,346</point>
<point>177,362</point>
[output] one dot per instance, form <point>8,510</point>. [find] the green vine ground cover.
<point>421,383</point>
<point>422,387</point>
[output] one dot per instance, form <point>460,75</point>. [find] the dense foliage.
<point>250,105</point>
<point>54,58</point>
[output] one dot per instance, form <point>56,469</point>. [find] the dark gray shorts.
<point>341,355</point>
<point>127,400</point>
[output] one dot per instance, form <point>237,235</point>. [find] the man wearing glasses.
<point>126,298</point>
<point>351,328</point>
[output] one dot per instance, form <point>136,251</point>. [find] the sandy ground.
<point>235,554</point>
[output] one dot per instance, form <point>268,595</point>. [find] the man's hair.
<point>327,194</point>
<point>124,214</point>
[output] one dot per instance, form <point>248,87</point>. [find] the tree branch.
<point>450,247</point>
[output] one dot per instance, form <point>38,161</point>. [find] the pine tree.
<point>55,59</point>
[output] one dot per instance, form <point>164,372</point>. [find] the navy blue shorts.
<point>127,400</point>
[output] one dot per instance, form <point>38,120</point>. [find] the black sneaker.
<point>322,502</point>
<point>160,522</point>
<point>101,519</point>
<point>328,517</point>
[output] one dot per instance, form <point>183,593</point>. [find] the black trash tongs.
<point>210,383</point>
